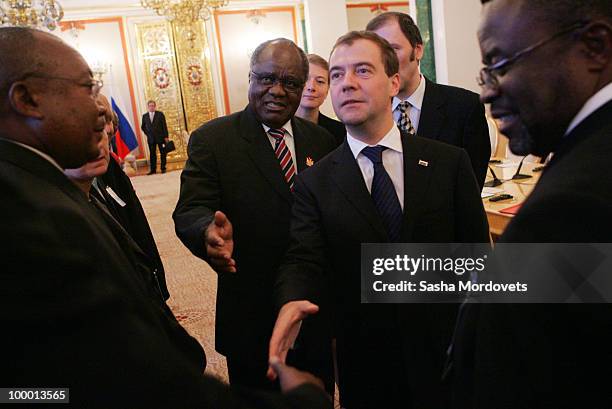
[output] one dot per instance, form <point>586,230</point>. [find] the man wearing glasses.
<point>235,202</point>
<point>548,78</point>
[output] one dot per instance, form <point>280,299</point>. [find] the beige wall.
<point>458,55</point>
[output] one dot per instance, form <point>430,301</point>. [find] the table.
<point>520,189</point>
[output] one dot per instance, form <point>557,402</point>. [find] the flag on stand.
<point>125,138</point>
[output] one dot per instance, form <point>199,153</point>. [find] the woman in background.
<point>103,178</point>
<point>313,96</point>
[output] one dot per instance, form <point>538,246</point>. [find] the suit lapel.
<point>418,168</point>
<point>432,115</point>
<point>261,153</point>
<point>42,168</point>
<point>302,144</point>
<point>349,180</point>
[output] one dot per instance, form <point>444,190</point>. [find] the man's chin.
<point>520,141</point>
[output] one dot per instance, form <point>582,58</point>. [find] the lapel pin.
<point>423,163</point>
<point>309,161</point>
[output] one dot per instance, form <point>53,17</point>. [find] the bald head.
<point>21,53</point>
<point>282,44</point>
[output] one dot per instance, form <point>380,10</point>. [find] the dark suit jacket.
<point>133,219</point>
<point>333,214</point>
<point>456,116</point>
<point>336,128</point>
<point>550,355</point>
<point>232,168</point>
<point>76,313</point>
<point>157,131</point>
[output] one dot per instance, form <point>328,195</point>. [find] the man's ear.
<point>394,84</point>
<point>24,100</point>
<point>418,52</point>
<point>597,41</point>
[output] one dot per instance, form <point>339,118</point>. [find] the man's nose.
<point>348,81</point>
<point>488,94</point>
<point>277,89</point>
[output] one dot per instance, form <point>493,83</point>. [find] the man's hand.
<point>219,243</point>
<point>286,330</point>
<point>290,378</point>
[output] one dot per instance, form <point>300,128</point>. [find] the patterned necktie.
<point>282,152</point>
<point>404,122</point>
<point>384,194</point>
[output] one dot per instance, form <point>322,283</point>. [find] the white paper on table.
<point>490,191</point>
<point>507,165</point>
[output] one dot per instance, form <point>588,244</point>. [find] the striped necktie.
<point>404,123</point>
<point>384,194</point>
<point>282,152</point>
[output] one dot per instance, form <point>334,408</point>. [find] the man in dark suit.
<point>444,113</point>
<point>154,126</point>
<point>235,203</point>
<point>76,308</point>
<point>548,78</point>
<point>379,186</point>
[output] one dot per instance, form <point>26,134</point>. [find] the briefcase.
<point>169,147</point>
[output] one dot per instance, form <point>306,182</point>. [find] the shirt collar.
<point>599,99</point>
<point>391,140</point>
<point>36,151</point>
<point>416,99</point>
<point>287,127</point>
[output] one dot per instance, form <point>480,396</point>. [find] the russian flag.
<point>125,138</point>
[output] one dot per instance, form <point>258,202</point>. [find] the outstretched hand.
<point>219,242</point>
<point>286,330</point>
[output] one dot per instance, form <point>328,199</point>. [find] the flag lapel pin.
<point>309,161</point>
<point>423,163</point>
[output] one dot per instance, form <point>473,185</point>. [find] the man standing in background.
<point>444,113</point>
<point>154,126</point>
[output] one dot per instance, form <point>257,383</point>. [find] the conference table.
<point>519,189</point>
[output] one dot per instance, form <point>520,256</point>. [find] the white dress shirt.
<point>416,102</point>
<point>151,116</point>
<point>393,160</point>
<point>289,141</point>
<point>599,99</point>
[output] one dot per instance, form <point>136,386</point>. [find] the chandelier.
<point>184,12</point>
<point>31,13</point>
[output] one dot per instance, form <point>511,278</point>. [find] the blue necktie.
<point>383,193</point>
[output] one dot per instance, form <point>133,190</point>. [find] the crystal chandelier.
<point>184,12</point>
<point>31,13</point>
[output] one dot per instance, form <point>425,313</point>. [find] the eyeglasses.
<point>268,80</point>
<point>94,85</point>
<point>489,74</point>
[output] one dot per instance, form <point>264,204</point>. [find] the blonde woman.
<point>313,96</point>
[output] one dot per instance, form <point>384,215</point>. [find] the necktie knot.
<point>404,106</point>
<point>374,153</point>
<point>277,133</point>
